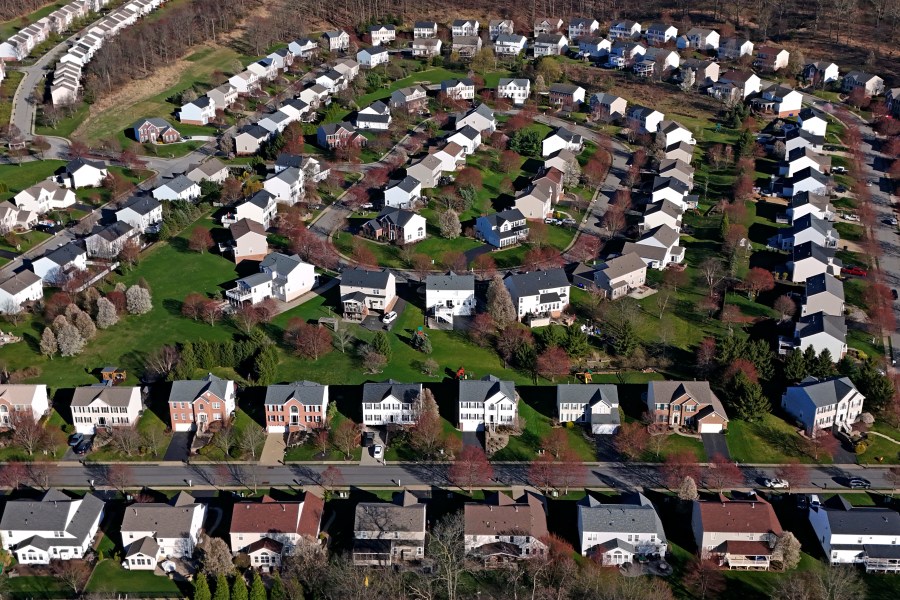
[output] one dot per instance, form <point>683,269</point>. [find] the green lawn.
<point>308,452</point>
<point>770,440</point>
<point>241,421</point>
<point>388,255</point>
<point>677,443</point>
<point>53,421</point>
<point>423,77</point>
<point>400,450</point>
<point>537,428</point>
<point>18,177</point>
<point>148,422</point>
<point>25,241</point>
<point>66,126</point>
<point>36,587</point>
<point>7,91</point>
<point>866,343</point>
<point>110,577</point>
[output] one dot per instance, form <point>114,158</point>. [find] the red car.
<point>854,270</point>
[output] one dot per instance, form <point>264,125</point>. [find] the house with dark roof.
<point>303,47</point>
<point>391,403</point>
<point>334,41</point>
<point>509,44</point>
<point>810,203</point>
<point>871,85</point>
<point>824,293</point>
<point>803,157</point>
<point>427,171</point>
<point>81,172</point>
<point>566,95</point>
<point>642,119</point>
<point>448,296</point>
<point>501,530</point>
<point>141,212</point>
<point>467,138</point>
<point>822,332</point>
<point>382,34</point>
<point>298,406</point>
<point>411,99</point>
<point>177,188</point>
<point>657,247</point>
<point>261,207</point>
<point>593,405</point>
<point>502,229</point>
<point>102,406</point>
<point>458,89</point>
<point>515,89</point>
<point>336,135</point>
<point>363,291</point>
<point>620,276</point>
<point>807,179</point>
<point>562,139</point>
<point>18,289</point>
<point>426,47</point>
<point>617,533</point>
<point>195,404</point>
<point>198,112</point>
<point>539,293</point>
<point>550,44</point>
<point>250,139</point>
<point>52,266</point>
<point>154,531</point>
<point>268,530</point>
<point>107,242</point>
<point>498,27</point>
<point>372,57</point>
<point>608,107</point>
<point>396,225</point>
<point>807,228</point>
<point>857,535</point>
<point>249,241</point>
<point>690,404</point>
<point>376,116</point>
<point>487,403</point>
<point>281,277</point>
<point>154,129</point>
<point>808,259</point>
<point>823,404</point>
<point>403,193</point>
<point>55,527</point>
<point>738,534</point>
<point>425,29</point>
<point>801,138</point>
<point>385,533</point>
<point>580,27</point>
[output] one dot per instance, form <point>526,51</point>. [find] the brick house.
<point>155,130</point>
<point>195,403</point>
<point>298,406</point>
<point>686,403</point>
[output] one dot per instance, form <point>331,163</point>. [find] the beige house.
<point>250,241</point>
<point>619,276</point>
<point>18,401</point>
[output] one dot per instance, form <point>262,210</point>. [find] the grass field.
<point>66,126</point>
<point>7,91</point>
<point>110,577</point>
<point>18,177</point>
<point>770,440</point>
<point>11,27</point>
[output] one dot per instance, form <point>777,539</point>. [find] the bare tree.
<point>29,434</point>
<point>713,273</point>
<point>252,438</point>
<point>73,573</point>
<point>126,440</point>
<point>447,549</point>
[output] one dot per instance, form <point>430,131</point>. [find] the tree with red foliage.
<point>721,474</point>
<point>570,470</point>
<point>631,440</point>
<point>482,329</point>
<point>13,474</point>
<point>792,471</point>
<point>891,147</point>
<point>201,240</point>
<point>78,149</point>
<point>190,308</point>
<point>706,355</point>
<point>56,305</point>
<point>704,579</point>
<point>879,305</point>
<point>210,311</point>
<point>741,365</point>
<point>331,477</point>
<point>821,443</point>
<point>785,306</point>
<point>594,171</point>
<point>537,233</point>
<point>553,362</point>
<point>858,98</point>
<point>470,468</point>
<point>540,473</point>
<point>555,442</point>
<point>758,280</point>
<point>614,219</point>
<point>469,177</point>
<point>586,248</point>
<point>118,300</point>
<point>509,160</point>
<point>232,190</point>
<point>308,340</point>
<point>737,212</point>
<point>363,255</point>
<point>517,122</point>
<point>485,266</point>
<point>454,260</point>
<point>735,235</point>
<point>743,188</point>
<point>678,466</point>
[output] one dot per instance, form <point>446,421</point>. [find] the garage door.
<point>711,428</point>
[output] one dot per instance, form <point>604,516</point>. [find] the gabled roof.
<point>398,217</point>
<point>385,519</point>
<point>809,249</point>
<point>162,520</point>
<point>450,281</point>
<point>146,546</point>
<point>115,231</point>
<point>531,283</point>
<point>566,135</point>
<point>500,515</point>
<point>76,165</point>
<point>272,517</point>
<point>518,82</point>
<point>357,277</point>
<point>662,183</point>
<point>845,519</point>
<point>509,38</point>
<point>825,392</point>
<point>552,39</point>
<point>622,265</point>
<point>261,199</point>
<point>819,322</point>
<point>254,131</point>
<point>824,284</point>
<point>55,511</point>
<point>306,392</point>
<point>810,221</point>
<point>408,184</point>
<point>737,516</point>
<point>479,390</point>
<point>635,514</point>
<point>20,281</point>
<point>589,393</point>
<point>245,227</point>
<point>179,184</point>
<point>425,25</point>
<point>188,390</point>
<point>282,264</point>
<point>111,396</point>
<point>404,392</point>
<point>66,254</point>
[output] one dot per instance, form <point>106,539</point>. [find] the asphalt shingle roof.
<point>306,392</point>
<point>635,515</point>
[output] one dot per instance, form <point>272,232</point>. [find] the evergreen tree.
<point>746,398</point>
<point>264,365</point>
<point>878,389</point>
<point>625,340</point>
<point>276,592</point>
<point>809,358</point>
<point>258,590</point>
<point>847,368</point>
<point>206,358</point>
<point>382,345</point>
<point>499,303</point>
<point>794,366</point>
<point>824,365</point>
<point>239,588</point>
<point>201,587</point>
<point>723,228</point>
<point>188,360</point>
<point>761,355</point>
<point>746,143</point>
<point>576,342</point>
<point>222,588</point>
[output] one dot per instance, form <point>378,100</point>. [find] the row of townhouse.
<point>20,45</point>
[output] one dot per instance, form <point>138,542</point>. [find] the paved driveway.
<point>180,446</point>
<point>714,443</point>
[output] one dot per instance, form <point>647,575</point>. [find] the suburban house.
<point>624,29</point>
<point>779,100</point>
<point>312,168</point>
<point>801,138</point>
<point>615,534</point>
<point>871,85</point>
<point>801,158</point>
<point>821,72</point>
<point>516,90</point>
<point>535,201</point>
<point>467,46</point>
<point>411,99</point>
<point>298,406</point>
<point>807,229</point>
<point>467,27</point>
<point>509,44</point>
<point>545,25</point>
<point>706,72</point>
<point>376,116</point>
<point>403,194</point>
<point>595,405</point>
<point>286,185</point>
<point>332,80</point>
<point>660,33</point>
<point>594,47</point>
<point>810,259</point>
<point>244,82</point>
<point>223,96</point>
<point>539,293</point>
<point>210,170</point>
<point>823,404</point>
<point>824,293</point>
<point>154,531</point>
<point>141,212</point>
<point>334,41</point>
<point>108,242</point>
<point>642,119</point>
<point>458,89</point>
<point>806,203</point>
<point>487,403</point>
<point>194,404</point>
<point>391,403</point>
<point>689,404</point>
<point>662,59</point>
<point>822,332</point>
<point>733,48</point>
<point>22,401</point>
<point>624,53</point>
<point>745,82</point>
<point>250,139</point>
<point>426,47</point>
<point>892,101</point>
<point>468,138</point>
<point>102,406</point>
<point>269,530</point>
<point>314,95</point>
<point>56,527</point>
<point>19,289</point>
<point>14,219</point>
<point>82,173</point>
<point>338,135</point>
<point>562,139</point>
<point>275,122</point>
<point>282,277</point>
<point>579,28</point>
<point>56,264</point>
<point>608,107</point>
<point>387,533</point>
<point>449,296</point>
<point>250,241</point>
<point>771,58</point>
<point>497,27</point>
<point>372,57</point>
<point>178,188</point>
<point>620,276</point>
<point>260,207</point>
<point>698,38</point>
<point>502,229</point>
<point>363,291</point>
<point>303,47</point>
<point>738,534</point>
<point>500,529</point>
<point>425,29</point>
<point>657,247</point>
<point>866,535</point>
<point>396,225</point>
<point>154,130</point>
<point>43,197</point>
<point>566,96</point>
<point>451,155</point>
<point>813,122</point>
<point>550,44</point>
<point>427,171</point>
<point>481,119</point>
<point>382,34</point>
<point>673,132</point>
<point>677,169</point>
<point>807,179</point>
<point>198,112</point>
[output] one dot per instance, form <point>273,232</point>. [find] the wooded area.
<point>10,9</point>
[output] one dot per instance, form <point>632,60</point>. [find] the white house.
<point>275,122</point>
<point>268,530</point>
<point>672,189</point>
<point>391,403</point>
<point>821,72</point>
<point>18,289</point>
<point>745,82</point>
<point>382,34</point>
<point>303,47</point>
<point>733,48</point>
<point>210,170</point>
<point>372,57</point>
<point>780,100</point>
<point>334,41</point>
<point>699,38</point>
<point>425,29</point>
<point>550,44</point>
<point>608,107</point>
<point>244,82</point>
<point>404,193</point>
<point>448,296</point>
<point>643,119</point>
<point>509,44</point>
<point>179,188</point>
<point>808,229</point>
<point>458,89</point>
<point>822,332</point>
<point>363,291</point>
<point>427,47</point>
<point>102,406</point>
<point>481,119</point>
<point>281,276</point>
<point>807,179</point>
<point>657,247</point>
<point>487,403</point>
<point>516,90</point>
<point>624,29</point>
<point>562,139</point>
<point>500,529</point>
<point>812,121</point>
<point>141,212</point>
<point>468,138</point>
<point>824,293</point>
<point>660,33</point>
<point>43,197</point>
<point>22,401</point>
<point>497,27</point>
<point>56,527</point>
<point>866,535</point>
<point>673,132</point>
<point>261,207</point>
<point>808,203</point>
<point>376,116</point>
<point>801,158</point>
<point>52,266</point>
<point>198,112</point>
<point>579,28</point>
<point>539,293</point>
<point>621,275</point>
<point>771,58</point>
<point>286,185</point>
<point>155,531</point>
<point>464,27</point>
<point>615,534</point>
<point>592,404</point>
<point>810,259</point>
<point>823,404</point>
<point>81,173</point>
<point>801,138</point>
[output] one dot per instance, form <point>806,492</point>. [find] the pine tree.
<point>265,364</point>
<point>794,366</point>
<point>201,587</point>
<point>276,592</point>
<point>723,228</point>
<point>576,342</point>
<point>824,365</point>
<point>222,588</point>
<point>239,588</point>
<point>625,339</point>
<point>258,590</point>
<point>760,354</point>
<point>382,345</point>
<point>746,398</point>
<point>809,359</point>
<point>500,304</point>
<point>49,347</point>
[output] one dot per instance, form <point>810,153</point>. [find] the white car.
<point>775,484</point>
<point>389,317</point>
<point>378,452</point>
<point>851,217</point>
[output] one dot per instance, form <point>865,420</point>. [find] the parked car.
<point>854,270</point>
<point>858,483</point>
<point>368,438</point>
<point>894,293</point>
<point>775,484</point>
<point>389,317</point>
<point>85,446</point>
<point>378,452</point>
<point>839,169</point>
<point>75,439</point>
<point>850,217</point>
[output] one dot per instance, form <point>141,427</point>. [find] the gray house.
<point>823,403</point>
<point>387,533</point>
<point>591,404</point>
<point>502,229</point>
<point>824,293</point>
<point>616,534</point>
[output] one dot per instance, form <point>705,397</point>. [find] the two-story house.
<point>286,186</point>
<point>411,99</point>
<point>141,212</point>
<point>615,534</point>
<point>502,229</point>
<point>642,119</point>
<point>866,535</point>
<point>779,100</point>
<point>19,289</point>
<point>738,534</point>
<point>81,173</point>
<point>54,266</point>
<point>249,241</point>
<point>250,139</point>
<point>823,404</point>
<point>699,38</point>
<point>509,44</point>
<point>396,225</point>
<point>382,34</point>
<point>566,96</point>
<point>659,33</point>
<point>391,403</point>
<point>516,90</point>
<point>155,531</point>
<point>448,296</point>
<point>807,228</point>
<point>102,406</point>
<point>298,406</point>
<point>335,41</point>
<point>107,242</point>
<point>871,85</point>
<point>425,29</point>
<point>544,25</point>
<point>824,293</point>
<point>608,107</point>
<point>303,47</point>
<point>376,116</point>
<point>593,405</point>
<point>771,58</point>
<point>657,247</point>
<point>734,48</point>
<point>373,57</point>
<point>822,332</point>
<point>43,197</point>
<point>689,404</point>
<point>427,47</point>
<point>282,277</point>
<point>154,130</point>
<point>539,293</point>
<point>487,403</point>
<point>198,112</point>
<point>624,30</point>
<point>388,533</point>
<point>194,404</point>
<point>810,203</point>
<point>501,529</point>
<point>338,135</point>
<point>619,276</point>
<point>177,188</point>
<point>497,27</point>
<point>403,193</point>
<point>550,44</point>
<point>20,402</point>
<point>261,207</point>
<point>580,27</point>
<point>269,530</point>
<point>810,259</point>
<point>464,27</point>
<point>427,171</point>
<point>481,119</point>
<point>363,291</point>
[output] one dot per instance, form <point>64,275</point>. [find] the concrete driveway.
<point>367,458</point>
